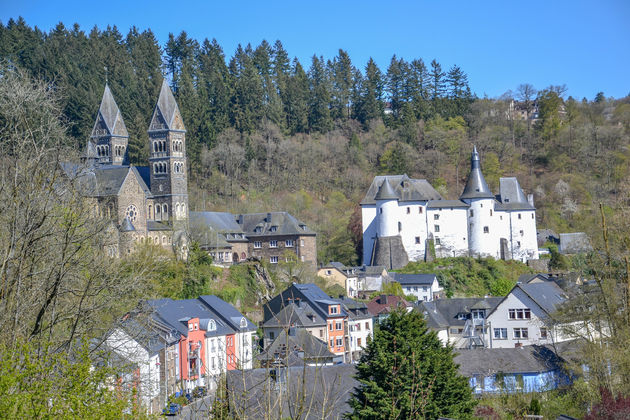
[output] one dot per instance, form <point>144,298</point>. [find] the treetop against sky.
<point>500,44</point>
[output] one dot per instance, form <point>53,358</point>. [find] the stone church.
<point>145,203</point>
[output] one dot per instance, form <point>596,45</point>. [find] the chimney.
<point>239,220</point>
<point>383,299</point>
<point>268,220</point>
<point>530,199</point>
<point>518,345</point>
<point>298,302</point>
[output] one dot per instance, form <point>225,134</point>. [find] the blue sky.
<point>499,44</point>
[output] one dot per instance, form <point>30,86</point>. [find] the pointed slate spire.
<point>386,192</point>
<point>476,186</point>
<point>109,121</point>
<point>166,115</point>
<point>127,226</point>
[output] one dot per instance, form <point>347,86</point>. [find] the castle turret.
<point>386,205</point>
<point>483,232</point>
<point>167,159</point>
<point>109,138</point>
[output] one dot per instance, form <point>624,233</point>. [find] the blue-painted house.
<point>523,369</point>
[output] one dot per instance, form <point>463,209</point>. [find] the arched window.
<point>164,240</point>
<point>155,146</point>
<point>177,211</point>
<point>183,214</point>
<point>165,212</point>
<point>150,210</point>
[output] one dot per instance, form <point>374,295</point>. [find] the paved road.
<point>197,409</point>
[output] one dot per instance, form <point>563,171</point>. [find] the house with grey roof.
<point>424,287</point>
<point>406,220</point>
<point>273,237</point>
<point>297,347</point>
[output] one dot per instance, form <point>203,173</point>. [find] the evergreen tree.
<point>246,104</point>
<point>417,82</point>
<point>370,104</point>
<point>395,85</point>
<point>319,118</point>
<point>343,82</point>
<point>406,373</point>
<point>296,97</point>
<point>271,103</point>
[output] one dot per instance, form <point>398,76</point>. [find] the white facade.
<point>422,292</point>
<point>519,320</point>
<point>359,330</point>
<point>216,359</point>
<point>478,224</point>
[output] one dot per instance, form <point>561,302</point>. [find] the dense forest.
<point>266,132</point>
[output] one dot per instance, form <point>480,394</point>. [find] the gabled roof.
<point>176,313</point>
<point>296,340</point>
<point>283,223</point>
<point>218,221</point>
<point>102,180</point>
<point>511,195</point>
<point>444,312</point>
<point>526,359</point>
<point>166,114</point>
<point>109,117</point>
<point>411,279</point>
<point>547,295</point>
<point>384,304</point>
<point>227,312</point>
<point>476,186</point>
<point>404,189</point>
<point>302,315</point>
<point>305,293</point>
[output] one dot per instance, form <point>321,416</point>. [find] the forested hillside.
<point>266,132</point>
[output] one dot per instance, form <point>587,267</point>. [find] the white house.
<point>404,219</point>
<point>425,287</point>
<point>523,317</point>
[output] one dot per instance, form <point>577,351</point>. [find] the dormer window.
<point>243,322</point>
<point>461,316</point>
<point>258,229</point>
<point>212,326</point>
<point>333,310</point>
<point>273,228</point>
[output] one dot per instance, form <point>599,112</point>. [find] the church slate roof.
<point>219,221</point>
<point>405,189</point>
<point>102,180</point>
<point>110,115</point>
<point>127,226</point>
<point>476,186</point>
<point>167,107</point>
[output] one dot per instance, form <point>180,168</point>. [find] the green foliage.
<point>557,261</point>
<point>465,276</point>
<point>40,383</point>
<point>405,372</point>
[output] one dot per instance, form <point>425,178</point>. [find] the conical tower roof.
<point>127,226</point>
<point>166,114</point>
<point>476,186</point>
<point>386,192</point>
<point>109,120</point>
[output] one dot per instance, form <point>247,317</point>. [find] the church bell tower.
<point>109,138</point>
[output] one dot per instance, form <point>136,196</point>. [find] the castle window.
<point>532,215</point>
<point>436,228</point>
<point>420,210</point>
<point>437,241</point>
<point>436,217</point>
<point>486,229</point>
<point>521,232</point>
<point>380,210</point>
<point>472,213</point>
<point>131,213</point>
<point>408,210</point>
<point>490,212</point>
<point>417,239</point>
<point>399,227</point>
<point>519,216</point>
<point>480,205</point>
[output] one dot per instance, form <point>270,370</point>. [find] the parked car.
<point>172,409</point>
<point>199,392</point>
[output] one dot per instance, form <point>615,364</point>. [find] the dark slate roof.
<point>175,313</point>
<point>111,116</point>
<point>102,180</point>
<point>476,186</point>
<point>574,243</point>
<point>355,309</point>
<point>285,224</point>
<point>512,196</point>
<point>307,293</point>
<point>544,235</point>
<point>440,204</point>
<point>443,312</point>
<point>227,312</point>
<point>145,174</point>
<point>386,192</point>
<point>405,189</point>
<point>411,279</point>
<point>152,225</point>
<point>127,226</point>
<point>547,295</point>
<point>219,221</point>
<point>167,107</point>
<point>390,252</point>
<point>384,304</point>
<point>526,278</point>
<point>323,390</point>
<point>526,359</point>
<point>296,340</point>
<point>298,315</point>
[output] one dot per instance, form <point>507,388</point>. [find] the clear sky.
<point>499,44</point>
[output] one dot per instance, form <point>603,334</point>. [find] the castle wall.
<point>484,228</point>
<point>449,230</point>
<point>368,222</point>
<point>523,236</point>
<point>413,218</point>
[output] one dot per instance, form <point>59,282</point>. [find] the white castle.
<point>404,218</point>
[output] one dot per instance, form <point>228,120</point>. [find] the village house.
<point>424,287</point>
<point>359,282</point>
<point>381,306</point>
<point>274,237</point>
<point>408,220</point>
<point>360,327</point>
<point>297,347</point>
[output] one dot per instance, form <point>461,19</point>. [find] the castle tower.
<point>167,160</point>
<point>386,204</point>
<point>483,231</point>
<point>109,138</point>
